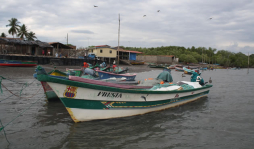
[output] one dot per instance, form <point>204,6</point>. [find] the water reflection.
<point>123,131</point>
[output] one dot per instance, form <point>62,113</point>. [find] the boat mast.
<point>118,39</point>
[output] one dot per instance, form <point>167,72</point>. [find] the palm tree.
<point>3,35</point>
<point>14,24</point>
<point>31,36</point>
<point>22,32</point>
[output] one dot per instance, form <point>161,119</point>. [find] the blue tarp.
<point>132,56</point>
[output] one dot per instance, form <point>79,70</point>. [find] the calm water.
<point>225,119</point>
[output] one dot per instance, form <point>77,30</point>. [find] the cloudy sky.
<point>178,23</point>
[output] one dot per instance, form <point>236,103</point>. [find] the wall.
<point>105,52</point>
<point>155,59</point>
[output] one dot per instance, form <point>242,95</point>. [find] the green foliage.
<point>31,36</point>
<point>3,35</point>
<point>22,32</point>
<point>14,24</point>
<point>195,55</point>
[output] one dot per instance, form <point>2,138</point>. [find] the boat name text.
<point>108,94</point>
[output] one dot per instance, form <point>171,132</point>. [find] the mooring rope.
<point>24,84</point>
<point>20,96</point>
<point>2,128</point>
<point>23,87</point>
<point>4,132</point>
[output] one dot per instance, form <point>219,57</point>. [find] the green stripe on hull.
<point>93,104</point>
<point>51,95</point>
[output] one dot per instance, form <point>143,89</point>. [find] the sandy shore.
<point>27,72</point>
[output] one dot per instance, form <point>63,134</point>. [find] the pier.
<point>41,60</point>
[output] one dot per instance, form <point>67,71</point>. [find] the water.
<point>224,119</point>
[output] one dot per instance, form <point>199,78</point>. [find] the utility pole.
<point>118,39</point>
<point>67,38</point>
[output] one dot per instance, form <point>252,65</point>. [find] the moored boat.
<point>179,69</point>
<point>91,100</point>
<point>17,63</point>
<point>106,75</point>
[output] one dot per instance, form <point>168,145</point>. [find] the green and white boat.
<point>87,99</point>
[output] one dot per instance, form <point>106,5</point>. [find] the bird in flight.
<point>158,10</point>
<point>95,6</point>
<point>210,18</point>
<point>144,15</point>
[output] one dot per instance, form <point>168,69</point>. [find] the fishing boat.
<point>50,94</point>
<point>203,68</point>
<point>106,75</point>
<point>179,69</point>
<point>17,63</point>
<point>87,99</point>
<point>157,66</point>
<point>136,62</point>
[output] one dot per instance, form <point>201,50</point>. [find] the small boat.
<point>157,66</point>
<point>171,67</point>
<point>136,62</point>
<point>203,68</point>
<point>190,73</point>
<point>87,99</point>
<point>179,69</point>
<point>17,63</point>
<point>106,75</point>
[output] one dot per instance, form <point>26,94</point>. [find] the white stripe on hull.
<point>79,115</point>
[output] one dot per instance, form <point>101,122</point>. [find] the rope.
<point>20,114</point>
<point>24,84</point>
<point>20,96</point>
<point>4,132</point>
<point>6,98</point>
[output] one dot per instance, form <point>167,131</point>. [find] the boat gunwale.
<point>47,78</point>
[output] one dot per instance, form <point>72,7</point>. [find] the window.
<point>92,50</point>
<point>100,50</point>
<point>110,51</point>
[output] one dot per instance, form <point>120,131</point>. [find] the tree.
<point>3,35</point>
<point>14,24</point>
<point>31,36</point>
<point>22,33</point>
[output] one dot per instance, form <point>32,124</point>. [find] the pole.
<point>67,38</point>
<point>118,39</point>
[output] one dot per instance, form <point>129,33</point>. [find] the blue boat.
<point>203,68</point>
<point>106,75</point>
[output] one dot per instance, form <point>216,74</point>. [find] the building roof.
<point>61,46</point>
<point>161,55</point>
<point>102,46</point>
<point>122,50</point>
<point>19,41</point>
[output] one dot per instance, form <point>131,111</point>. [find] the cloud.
<point>82,31</point>
<point>180,23</point>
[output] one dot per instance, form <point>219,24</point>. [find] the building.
<point>159,59</point>
<point>104,52</point>
<point>62,49</point>
<point>23,47</point>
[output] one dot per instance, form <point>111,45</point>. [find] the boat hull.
<point>107,75</point>
<point>49,92</point>
<point>85,104</point>
<point>18,65</point>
